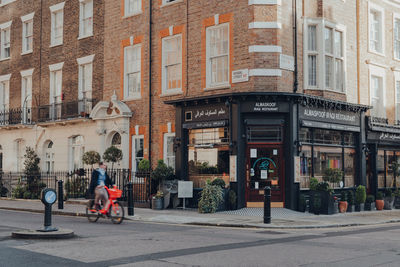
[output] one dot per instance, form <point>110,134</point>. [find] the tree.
<point>162,172</point>
<point>113,155</point>
<point>91,158</point>
<point>32,172</point>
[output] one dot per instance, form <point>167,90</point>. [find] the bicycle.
<point>114,210</point>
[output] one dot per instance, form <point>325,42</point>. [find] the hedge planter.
<point>327,207</point>
<point>157,203</point>
<point>359,207</point>
<point>397,202</point>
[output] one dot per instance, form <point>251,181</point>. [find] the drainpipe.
<point>358,49</point>
<point>295,83</point>
<point>150,47</point>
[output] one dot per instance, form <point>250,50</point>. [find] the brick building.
<point>257,92</point>
<point>51,73</point>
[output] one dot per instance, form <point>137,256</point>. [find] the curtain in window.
<point>173,65</point>
<point>219,52</point>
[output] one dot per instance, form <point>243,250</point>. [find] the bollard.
<point>131,210</point>
<point>267,204</point>
<point>60,195</point>
<point>48,197</point>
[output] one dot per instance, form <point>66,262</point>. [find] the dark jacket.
<point>94,181</point>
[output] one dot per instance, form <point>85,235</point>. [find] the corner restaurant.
<point>252,140</point>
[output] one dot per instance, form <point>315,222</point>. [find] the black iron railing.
<point>76,184</point>
<point>15,116</point>
<point>65,110</point>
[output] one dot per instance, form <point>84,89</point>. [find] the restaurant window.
<point>380,166</point>
<point>208,155</point>
<point>386,163</point>
<point>270,134</point>
<point>326,149</point>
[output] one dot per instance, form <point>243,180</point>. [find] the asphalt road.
<point>149,244</point>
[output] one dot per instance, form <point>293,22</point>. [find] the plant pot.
<point>396,202</point>
<point>359,207</point>
<point>379,203</point>
<point>388,203</point>
<point>350,208</point>
<point>368,206</point>
<point>157,203</point>
<point>343,206</point>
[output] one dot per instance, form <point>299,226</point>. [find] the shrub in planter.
<point>327,199</point>
<point>211,197</point>
<point>379,203</point>
<point>91,157</point>
<point>368,202</point>
<point>157,201</point>
<point>144,166</point>
<point>388,199</point>
<point>350,200</point>
<point>397,199</point>
<point>218,182</point>
<point>317,203</point>
<point>332,175</point>
<point>343,202</point>
<point>313,183</point>
<point>361,196</point>
<point>232,197</point>
<point>302,203</point>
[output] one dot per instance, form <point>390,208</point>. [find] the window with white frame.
<point>86,18</point>
<point>397,101</point>
<point>5,41</point>
<point>169,154</point>
<point>132,71</point>
<point>376,29</point>
<point>396,37</point>
<point>133,7</point>
<point>77,151</point>
<point>137,151</point>
<point>172,64</point>
<point>217,55</point>
<point>26,95</point>
<point>377,92</point>
<point>55,90</point>
<point>57,24</point>
<point>4,98</point>
<point>49,157</point>
<point>324,56</point>
<point>20,150</point>
<point>27,33</point>
<point>85,84</point>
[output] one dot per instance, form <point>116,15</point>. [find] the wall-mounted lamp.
<point>365,149</point>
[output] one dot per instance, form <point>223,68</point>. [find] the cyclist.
<point>100,179</point>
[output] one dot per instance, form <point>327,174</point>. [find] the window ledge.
<point>171,3</point>
<point>217,87</point>
<point>171,93</point>
<point>382,54</point>
<point>86,36</point>
<point>26,52</point>
<point>132,15</point>
<point>327,90</point>
<point>4,59</point>
<point>132,98</point>
<point>55,45</point>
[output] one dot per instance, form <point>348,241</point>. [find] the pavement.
<point>247,218</point>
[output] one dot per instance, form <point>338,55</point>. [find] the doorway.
<point>264,167</point>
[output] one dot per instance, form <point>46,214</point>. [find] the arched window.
<point>49,157</point>
<point>116,140</point>
<point>78,149</point>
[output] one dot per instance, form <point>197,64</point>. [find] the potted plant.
<point>144,166</point>
<point>397,199</point>
<point>91,157</point>
<point>302,203</point>
<point>157,201</point>
<point>232,199</point>
<point>350,200</point>
<point>328,203</point>
<point>112,154</point>
<point>211,197</point>
<point>379,203</point>
<point>343,202</point>
<point>317,203</point>
<point>369,202</point>
<point>332,175</point>
<point>388,199</point>
<point>361,195</point>
<point>313,188</point>
<point>221,183</point>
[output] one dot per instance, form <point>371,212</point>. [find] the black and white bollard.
<point>60,195</point>
<point>48,197</point>
<point>267,204</point>
<point>131,210</point>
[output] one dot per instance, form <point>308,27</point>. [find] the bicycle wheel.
<point>116,213</point>
<point>92,215</point>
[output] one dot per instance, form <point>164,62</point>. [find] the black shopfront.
<point>383,151</point>
<point>257,139</point>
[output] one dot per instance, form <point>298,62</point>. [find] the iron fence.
<point>76,184</point>
<point>65,110</point>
